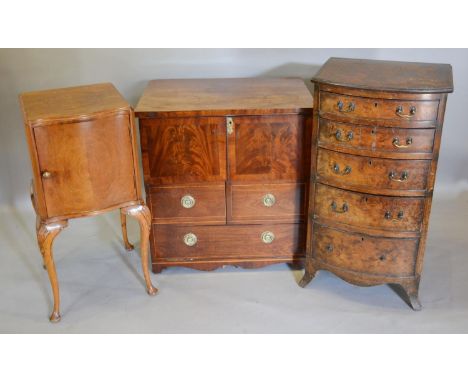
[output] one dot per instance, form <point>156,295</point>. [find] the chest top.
<point>411,77</point>
<point>47,106</point>
<point>227,96</point>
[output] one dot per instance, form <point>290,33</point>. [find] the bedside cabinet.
<point>226,170</point>
<point>84,159</point>
<point>375,145</point>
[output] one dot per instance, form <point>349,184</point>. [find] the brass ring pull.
<point>347,138</point>
<point>46,174</point>
<point>399,112</point>
<point>388,216</point>
<point>396,143</point>
<point>403,177</point>
<point>268,237</point>
<point>343,209</point>
<point>351,107</point>
<point>187,201</point>
<point>336,169</point>
<point>269,200</point>
<point>190,239</point>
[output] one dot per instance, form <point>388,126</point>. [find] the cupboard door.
<point>86,166</point>
<point>272,147</point>
<point>183,150</point>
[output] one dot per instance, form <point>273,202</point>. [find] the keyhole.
<point>375,104</point>
<point>382,258</point>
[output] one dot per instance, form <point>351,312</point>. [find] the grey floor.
<point>102,287</point>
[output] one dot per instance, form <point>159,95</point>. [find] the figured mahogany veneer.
<point>375,145</point>
<point>82,143</point>
<point>226,169</point>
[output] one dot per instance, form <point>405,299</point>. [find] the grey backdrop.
<point>130,69</point>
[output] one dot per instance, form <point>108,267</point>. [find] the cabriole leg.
<point>123,222</point>
<point>46,233</point>
<point>143,215</point>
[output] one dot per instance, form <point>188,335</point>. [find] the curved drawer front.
<point>189,204</point>
<point>344,106</point>
<point>267,202</point>
<point>336,135</point>
<point>365,254</point>
<point>363,210</point>
<point>345,170</point>
<point>218,242</point>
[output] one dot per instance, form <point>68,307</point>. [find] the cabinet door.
<point>86,166</point>
<point>273,147</point>
<point>183,150</point>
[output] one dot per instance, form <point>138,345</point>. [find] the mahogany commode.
<point>226,169</point>
<point>82,143</point>
<point>375,146</point>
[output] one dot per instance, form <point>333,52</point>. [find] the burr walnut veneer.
<point>226,170</point>
<point>84,157</point>
<point>375,145</point>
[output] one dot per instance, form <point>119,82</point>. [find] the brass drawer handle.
<point>403,178</point>
<point>396,143</point>
<point>351,107</point>
<point>399,112</point>
<point>339,136</point>
<point>187,201</point>
<point>269,200</point>
<point>46,174</point>
<point>190,239</point>
<point>343,209</point>
<point>400,215</point>
<point>268,237</point>
<point>336,169</point>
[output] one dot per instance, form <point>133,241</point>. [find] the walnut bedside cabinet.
<point>84,158</point>
<point>226,168</point>
<point>375,146</point>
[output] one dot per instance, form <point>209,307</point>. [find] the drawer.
<point>267,202</point>
<point>365,254</point>
<point>339,136</point>
<point>221,242</point>
<point>188,204</point>
<point>364,210</point>
<point>358,172</point>
<point>345,106</point>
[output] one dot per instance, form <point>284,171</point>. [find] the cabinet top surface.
<point>225,96</point>
<point>56,104</point>
<point>411,77</point>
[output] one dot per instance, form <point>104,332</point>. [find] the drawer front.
<point>365,254</point>
<point>338,136</point>
<point>221,242</point>
<point>364,210</point>
<point>267,202</point>
<point>345,106</point>
<point>190,204</point>
<point>374,173</point>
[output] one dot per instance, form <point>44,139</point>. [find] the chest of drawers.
<point>226,169</point>
<point>375,145</point>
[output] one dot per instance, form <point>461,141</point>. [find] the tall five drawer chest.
<point>375,146</point>
<point>226,166</point>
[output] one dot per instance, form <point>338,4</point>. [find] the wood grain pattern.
<point>389,142</point>
<point>209,207</point>
<point>365,254</point>
<point>364,210</point>
<point>248,206</point>
<point>372,173</point>
<point>228,242</point>
<point>413,77</point>
<point>223,96</point>
<point>269,148</point>
<point>87,173</point>
<point>354,242</point>
<point>376,108</point>
<point>183,150</point>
